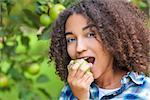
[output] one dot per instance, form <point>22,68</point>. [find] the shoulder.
<point>147,79</point>
<point>137,86</point>
<point>141,89</point>
<point>147,82</point>
<point>141,80</point>
<point>66,93</point>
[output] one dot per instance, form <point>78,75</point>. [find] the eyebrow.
<point>68,33</point>
<point>84,28</point>
<point>88,26</point>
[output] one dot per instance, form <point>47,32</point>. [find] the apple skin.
<point>1,45</point>
<point>45,20</point>
<point>3,81</point>
<point>33,69</point>
<point>56,10</point>
<point>83,65</point>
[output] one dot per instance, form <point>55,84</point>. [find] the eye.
<point>91,34</point>
<point>69,40</point>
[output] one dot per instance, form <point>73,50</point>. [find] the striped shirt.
<point>133,87</point>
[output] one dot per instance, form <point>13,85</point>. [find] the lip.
<point>86,58</point>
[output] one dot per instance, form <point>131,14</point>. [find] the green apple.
<point>34,69</point>
<point>20,49</point>
<point>45,20</point>
<point>1,45</point>
<point>56,10</point>
<point>85,67</point>
<point>10,43</point>
<point>3,81</point>
<point>44,8</point>
<point>51,0</point>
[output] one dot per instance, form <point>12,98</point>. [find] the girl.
<point>101,51</point>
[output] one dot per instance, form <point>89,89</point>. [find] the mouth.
<point>90,60</point>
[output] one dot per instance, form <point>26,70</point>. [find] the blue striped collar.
<point>135,77</point>
<point>127,81</point>
<point>130,79</point>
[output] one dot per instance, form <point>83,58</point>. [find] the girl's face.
<point>83,41</point>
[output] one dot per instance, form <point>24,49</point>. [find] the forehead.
<point>75,21</point>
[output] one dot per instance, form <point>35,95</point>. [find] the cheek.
<point>71,51</point>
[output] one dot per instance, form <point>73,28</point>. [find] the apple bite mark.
<point>90,60</point>
<point>86,65</point>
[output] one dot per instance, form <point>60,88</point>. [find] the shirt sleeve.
<point>66,94</point>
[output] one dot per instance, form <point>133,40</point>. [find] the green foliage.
<point>143,5</point>
<point>140,3</point>
<point>25,63</point>
<point>25,73</point>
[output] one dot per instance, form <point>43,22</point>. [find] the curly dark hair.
<point>121,27</point>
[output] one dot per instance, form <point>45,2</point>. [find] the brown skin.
<point>84,42</point>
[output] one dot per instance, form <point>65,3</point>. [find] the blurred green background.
<point>25,27</point>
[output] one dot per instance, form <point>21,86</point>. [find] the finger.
<point>74,67</point>
<point>70,64</point>
<point>89,80</point>
<point>86,76</point>
<point>82,70</point>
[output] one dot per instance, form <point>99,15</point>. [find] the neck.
<point>111,79</point>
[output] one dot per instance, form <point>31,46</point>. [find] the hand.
<point>79,78</point>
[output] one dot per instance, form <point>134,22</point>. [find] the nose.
<point>81,46</point>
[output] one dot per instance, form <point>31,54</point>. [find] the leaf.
<point>44,8</point>
<point>32,16</point>
<point>46,93</point>
<point>42,2</point>
<point>5,65</point>
<point>2,33</point>
<point>42,79</point>
<point>142,4</point>
<point>45,35</point>
<point>10,5</point>
<point>23,93</point>
<point>56,1</point>
<point>37,9</point>
<point>26,94</point>
<point>8,48</point>
<point>25,41</point>
<point>26,30</point>
<point>15,74</point>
